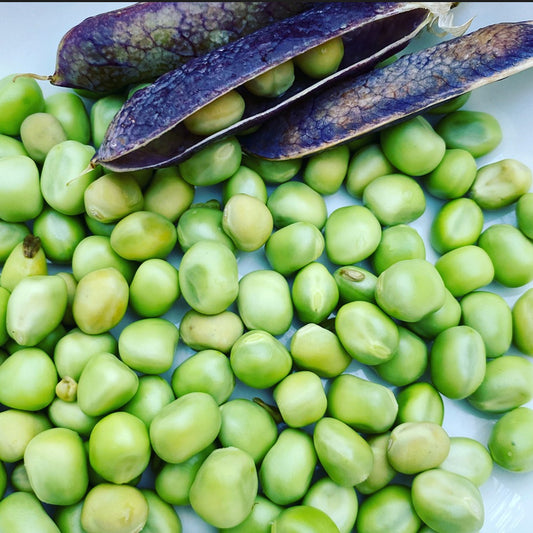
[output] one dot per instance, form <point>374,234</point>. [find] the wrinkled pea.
<point>273,172</point>
<point>162,517</point>
<point>324,172</point>
<point>263,513</point>
<point>102,113</point>
<point>11,234</point>
<point>382,472</point>
<point>522,313</point>
<point>322,60</point>
<point>21,512</point>
<point>302,519</point>
<point>69,110</point>
<point>245,181</point>
<point>524,214</point>
<point>355,283</point>
<point>420,402</point>
<point>39,132</point>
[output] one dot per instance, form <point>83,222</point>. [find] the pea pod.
<point>133,142</point>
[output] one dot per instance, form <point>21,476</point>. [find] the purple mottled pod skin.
<point>409,86</point>
<point>149,132</point>
<point>109,51</point>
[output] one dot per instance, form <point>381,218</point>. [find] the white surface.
<point>29,35</point>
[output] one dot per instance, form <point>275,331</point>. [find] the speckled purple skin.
<point>126,46</point>
<point>148,130</point>
<point>407,87</point>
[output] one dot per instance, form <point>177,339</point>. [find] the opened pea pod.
<point>356,36</point>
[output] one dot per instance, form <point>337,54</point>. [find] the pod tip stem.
<point>32,75</point>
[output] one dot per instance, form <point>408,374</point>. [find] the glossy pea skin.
<point>273,172</point>
<point>458,222</point>
<point>522,313</point>
<point>511,253</point>
<point>274,82</point>
<point>322,60</point>
<point>263,513</point>
<point>68,414</point>
<point>447,502</point>
<point>355,283</point>
<point>382,472</point>
<point>524,214</point>
<point>39,132</point>
<point>245,181</point>
<point>11,146</point>
<point>11,234</point>
<point>389,509</point>
<point>102,113</point>
<point>352,233</point>
<point>457,361</point>
<point>453,104</point>
<point>477,132</point>
<point>162,517</point>
<point>21,512</point>
<point>324,172</point>
<point>70,111</point>
<point>303,519</point>
<point>68,518</point>
<point>420,402</point>
<point>491,316</point>
<point>413,146</point>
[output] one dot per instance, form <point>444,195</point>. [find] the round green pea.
<point>245,181</point>
<point>524,214</point>
<point>11,146</point>
<point>355,283</point>
<point>420,402</point>
<point>11,234</point>
<point>382,472</point>
<point>274,82</point>
<point>522,313</point>
<point>273,172</point>
<point>303,519</point>
<point>162,517</point>
<point>325,172</point>
<point>70,111</point>
<point>263,513</point>
<point>21,512</point>
<point>102,113</point>
<point>39,132</point>
<point>68,414</point>
<point>322,60</point>
<point>453,104</point>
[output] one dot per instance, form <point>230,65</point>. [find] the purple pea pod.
<point>109,51</point>
<point>410,86</point>
<point>149,132</point>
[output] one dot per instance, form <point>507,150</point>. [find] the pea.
<point>68,414</point>
<point>457,361</point>
<point>20,194</point>
<point>11,234</point>
<point>420,402</point>
<point>205,371</point>
<point>324,172</point>
<point>477,132</point>
<point>382,472</point>
<point>245,181</point>
<point>4,298</point>
<point>366,164</point>
<point>458,223</point>
<point>39,132</point>
<point>511,253</point>
<point>213,164</point>
<point>162,517</point>
<point>70,111</point>
<point>111,508</point>
<point>259,359</point>
<point>524,217</point>
<point>102,113</point>
<point>470,459</point>
<point>21,512</point>
<point>322,60</point>
<point>316,348</point>
<point>3,480</point>
<point>287,469</point>
<point>185,426</point>
<point>98,228</point>
<point>11,146</point>
<point>263,513</point>
<point>105,384</point>
<point>453,104</point>
<point>413,146</point>
<point>274,82</point>
<point>389,509</point>
<point>20,96</point>
<point>355,283</point>
<point>453,176</point>
<point>447,502</point>
<point>522,313</point>
<point>410,289</point>
<point>364,405</point>
<point>55,461</point>
<point>295,201</point>
<point>366,332</point>
<point>490,315</point>
<point>273,172</point>
<point>465,269</point>
<point>19,478</point>
<point>168,193</point>
<point>292,247</point>
<point>68,518</point>
<point>314,293</point>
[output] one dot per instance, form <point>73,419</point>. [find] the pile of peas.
<point>149,366</point>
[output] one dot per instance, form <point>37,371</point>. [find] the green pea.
<point>303,519</point>
<point>292,247</point>
<point>17,429</point>
<point>395,199</point>
<point>366,332</point>
<point>294,201</point>
<point>409,361</point>
<point>162,517</point>
<point>19,478</point>
<point>319,350</point>
<point>263,513</point>
<point>185,426</point>
<point>355,283</point>
<point>4,298</point>
<point>366,164</point>
<point>213,164</point>
<point>477,132</point>
<point>20,96</point>
<point>55,462</point>
<point>522,313</point>
<point>205,371</point>
<point>274,82</point>
<point>39,132</point>
<point>3,480</point>
<point>273,172</point>
<point>458,361</point>
<point>524,216</point>
<point>287,469</point>
<point>208,277</point>
<point>410,289</point>
<point>20,194</point>
<point>102,113</point>
<point>447,502</point>
<point>259,359</point>
<point>70,110</point>
<point>21,512</point>
<point>314,293</point>
<point>100,301</point>
<point>168,193</point>
<point>245,181</point>
<point>217,332</point>
<point>325,172</point>
<point>11,146</point>
<point>420,402</point>
<point>105,384</point>
<point>248,426</point>
<point>111,508</point>
<point>322,60</point>
<point>413,146</point>
<point>453,104</point>
<point>382,472</point>
<point>453,176</point>
<point>68,414</point>
<point>98,228</point>
<point>68,518</point>
<point>71,283</point>
<point>490,315</point>
<point>511,253</point>
<point>470,459</point>
<point>389,509</point>
<point>364,405</point>
<point>465,269</point>
<point>11,234</point>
